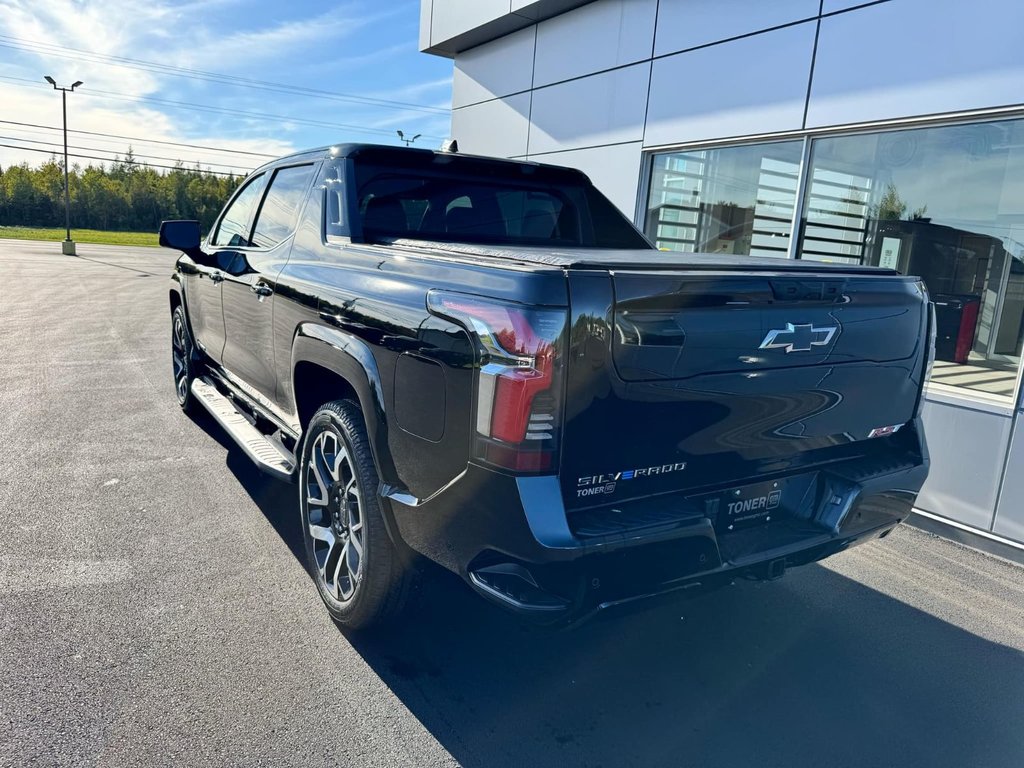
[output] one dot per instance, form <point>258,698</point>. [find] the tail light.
<point>929,361</point>
<point>519,382</point>
<point>932,336</point>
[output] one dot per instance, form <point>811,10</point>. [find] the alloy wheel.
<point>334,517</point>
<point>179,357</point>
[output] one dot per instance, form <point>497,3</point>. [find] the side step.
<point>265,453</point>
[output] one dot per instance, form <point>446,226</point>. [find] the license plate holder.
<point>747,506</point>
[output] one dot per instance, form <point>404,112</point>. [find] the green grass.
<point>80,235</point>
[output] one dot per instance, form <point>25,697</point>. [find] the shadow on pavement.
<point>141,272</point>
<point>814,670</point>
<point>277,500</point>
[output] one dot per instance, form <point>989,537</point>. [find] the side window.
<point>280,209</point>
<point>233,229</point>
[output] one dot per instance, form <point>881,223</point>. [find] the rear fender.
<point>350,358</point>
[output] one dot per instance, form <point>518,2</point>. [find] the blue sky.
<point>362,53</point>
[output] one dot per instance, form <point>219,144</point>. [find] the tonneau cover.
<point>608,258</point>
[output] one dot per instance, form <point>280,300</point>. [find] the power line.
<point>215,110</point>
<point>36,46</point>
<point>107,159</point>
<point>116,145</point>
<point>101,149</point>
<point>29,134</point>
<point>141,140</point>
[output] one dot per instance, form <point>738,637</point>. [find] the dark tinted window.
<point>233,229</point>
<point>488,203</point>
<point>280,209</point>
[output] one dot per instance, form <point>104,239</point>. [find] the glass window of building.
<point>947,204</point>
<point>736,200</point>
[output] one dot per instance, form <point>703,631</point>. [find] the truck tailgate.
<point>691,379</point>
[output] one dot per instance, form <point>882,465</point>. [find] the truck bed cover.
<point>594,258</point>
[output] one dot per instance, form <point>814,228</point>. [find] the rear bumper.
<point>511,539</point>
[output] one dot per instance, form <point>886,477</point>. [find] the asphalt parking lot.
<point>153,609</point>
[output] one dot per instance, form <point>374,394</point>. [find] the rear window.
<point>488,203</point>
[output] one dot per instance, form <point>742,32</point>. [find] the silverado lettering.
<point>631,473</point>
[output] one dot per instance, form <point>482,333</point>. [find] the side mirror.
<point>180,235</point>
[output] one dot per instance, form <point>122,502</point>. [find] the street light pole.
<point>68,246</point>
<point>401,137</point>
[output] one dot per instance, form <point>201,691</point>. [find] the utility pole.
<point>401,137</point>
<point>68,246</point>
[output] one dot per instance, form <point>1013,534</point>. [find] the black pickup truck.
<point>482,362</point>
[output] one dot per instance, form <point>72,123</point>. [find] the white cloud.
<point>179,33</point>
<point>314,36</point>
<point>155,126</point>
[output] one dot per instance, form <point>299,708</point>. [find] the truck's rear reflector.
<point>519,396</point>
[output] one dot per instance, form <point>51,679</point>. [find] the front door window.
<point>233,228</point>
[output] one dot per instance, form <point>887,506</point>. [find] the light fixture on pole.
<point>68,246</point>
<point>401,137</point>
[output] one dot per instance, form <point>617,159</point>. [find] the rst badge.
<point>884,431</point>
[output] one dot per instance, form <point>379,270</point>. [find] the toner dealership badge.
<point>746,507</point>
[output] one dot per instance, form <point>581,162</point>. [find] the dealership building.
<point>886,133</point>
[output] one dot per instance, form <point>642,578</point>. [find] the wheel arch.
<point>329,364</point>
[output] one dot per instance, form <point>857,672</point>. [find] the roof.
<point>405,154</point>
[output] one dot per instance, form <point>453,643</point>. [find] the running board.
<point>265,453</point>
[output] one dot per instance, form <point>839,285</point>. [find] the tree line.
<point>123,196</point>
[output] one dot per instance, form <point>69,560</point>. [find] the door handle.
<point>216,277</point>
<point>261,289</point>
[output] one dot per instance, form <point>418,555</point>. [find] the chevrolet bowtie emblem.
<point>798,338</point>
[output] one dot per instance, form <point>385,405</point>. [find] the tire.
<point>360,574</point>
<point>183,361</point>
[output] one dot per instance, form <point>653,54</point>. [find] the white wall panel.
<point>601,109</point>
<point>688,23</point>
<point>543,9</point>
<point>967,448</point>
<point>499,128</point>
<point>614,170</point>
<point>453,17</point>
<point>756,84</point>
<point>426,11</point>
<point>914,57</point>
<point>495,69</point>
<point>601,35</point>
<point>1010,515</point>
